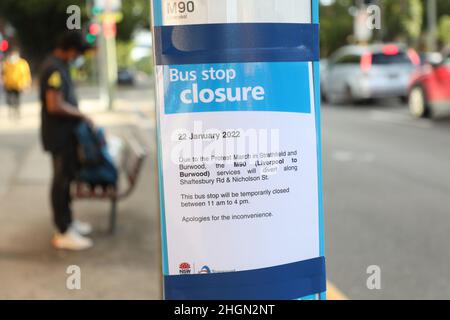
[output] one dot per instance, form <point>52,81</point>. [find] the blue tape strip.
<point>315,15</point>
<point>284,282</point>
<point>164,251</point>
<point>236,42</point>
<point>157,13</point>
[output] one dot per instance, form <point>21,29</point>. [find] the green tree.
<point>444,30</point>
<point>136,15</point>
<point>124,53</point>
<point>336,26</point>
<point>403,20</point>
<point>38,23</point>
<point>443,8</point>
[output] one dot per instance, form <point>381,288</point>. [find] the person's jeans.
<point>64,172</point>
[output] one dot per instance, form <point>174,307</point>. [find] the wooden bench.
<point>131,160</point>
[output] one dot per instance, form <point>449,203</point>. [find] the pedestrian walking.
<point>16,78</point>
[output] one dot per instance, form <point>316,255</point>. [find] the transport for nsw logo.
<point>185,268</point>
<point>205,270</point>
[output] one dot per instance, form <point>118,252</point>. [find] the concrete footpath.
<point>124,266</point>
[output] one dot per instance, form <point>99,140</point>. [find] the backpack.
<point>96,164</point>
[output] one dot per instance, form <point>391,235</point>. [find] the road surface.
<point>387,201</point>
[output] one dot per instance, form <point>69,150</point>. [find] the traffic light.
<point>96,11</point>
<point>4,45</point>
<point>93,32</point>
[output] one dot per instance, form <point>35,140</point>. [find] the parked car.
<point>429,88</point>
<point>365,72</point>
<point>125,77</point>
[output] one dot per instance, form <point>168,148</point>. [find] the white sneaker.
<point>82,228</point>
<point>71,240</point>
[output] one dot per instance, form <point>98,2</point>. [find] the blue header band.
<point>236,42</point>
<point>281,93</point>
<point>286,282</point>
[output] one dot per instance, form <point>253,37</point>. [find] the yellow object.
<point>16,75</point>
<point>111,16</point>
<point>334,293</point>
<point>54,80</point>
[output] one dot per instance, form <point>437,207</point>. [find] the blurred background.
<point>385,83</point>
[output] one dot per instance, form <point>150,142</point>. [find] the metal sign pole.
<point>239,150</point>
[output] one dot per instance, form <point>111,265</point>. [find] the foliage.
<point>124,53</point>
<point>145,65</point>
<point>402,20</point>
<point>136,15</point>
<point>412,20</point>
<point>124,58</point>
<point>39,23</point>
<point>444,29</point>
<point>443,8</point>
<point>336,26</point>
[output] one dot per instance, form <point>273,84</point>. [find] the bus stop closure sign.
<point>237,86</point>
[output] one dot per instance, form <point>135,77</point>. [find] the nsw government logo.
<point>205,270</point>
<point>185,268</point>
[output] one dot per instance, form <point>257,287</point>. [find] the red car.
<point>429,88</point>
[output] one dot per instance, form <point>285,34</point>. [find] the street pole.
<point>432,24</point>
<point>111,70</point>
<point>362,33</point>
<point>101,57</point>
<point>108,57</point>
<point>381,31</point>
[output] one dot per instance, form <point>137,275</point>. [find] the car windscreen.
<point>383,59</point>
